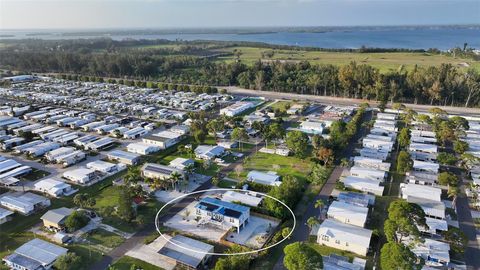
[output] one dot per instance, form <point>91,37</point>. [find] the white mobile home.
<point>368,173</point>
<point>371,163</point>
<point>344,236</point>
<point>365,185</point>
<point>348,213</point>
<point>374,153</point>
<point>377,144</point>
<point>142,148</point>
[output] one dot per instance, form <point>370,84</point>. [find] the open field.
<point>383,61</point>
<point>284,166</point>
<point>105,238</point>
<point>127,263</point>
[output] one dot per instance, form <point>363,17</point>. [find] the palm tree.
<point>312,221</point>
<point>319,203</point>
<point>453,192</point>
<point>174,177</point>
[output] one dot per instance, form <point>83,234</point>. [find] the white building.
<point>248,198</point>
<point>163,139</point>
<point>123,157</point>
<point>371,163</point>
<point>435,253</point>
<point>182,163</point>
<point>368,173</point>
<point>25,203</point>
<point>80,175</point>
<point>265,178</point>
<point>348,213</point>
<point>365,185</point>
<point>209,152</point>
<point>35,254</point>
<point>53,187</point>
<point>312,127</point>
<point>5,215</point>
<point>142,148</point>
<point>236,108</point>
<point>377,144</point>
<point>105,167</point>
<point>221,213</point>
<point>344,237</point>
<point>427,167</point>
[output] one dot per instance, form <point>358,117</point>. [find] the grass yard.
<point>226,184</point>
<point>383,61</point>
<point>105,238</point>
<point>34,175</point>
<point>128,263</point>
<point>326,251</point>
<point>109,197</point>
<point>284,166</point>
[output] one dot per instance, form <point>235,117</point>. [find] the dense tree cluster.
<point>444,84</point>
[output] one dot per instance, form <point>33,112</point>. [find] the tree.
<point>403,221</point>
<point>240,262</point>
<point>286,231</point>
<point>318,141</point>
<point>446,158</point>
<point>240,135</point>
<point>325,155</point>
<point>133,175</point>
<point>125,206</point>
<point>460,147</point>
<point>447,179</point>
<point>83,201</point>
<point>319,203</point>
<point>300,256</point>
<point>297,142</point>
<point>238,169</point>
<point>319,174</point>
<point>404,138</point>
<point>404,162</point>
<point>452,193</point>
<point>174,178</point>
<point>397,256</point>
<point>69,261</point>
<point>289,192</point>
<point>275,131</point>
<point>76,220</point>
<point>311,222</point>
<point>215,125</point>
<point>457,239</point>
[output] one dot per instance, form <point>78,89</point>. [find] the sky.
<point>122,14</point>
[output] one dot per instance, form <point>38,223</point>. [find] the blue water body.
<point>410,38</point>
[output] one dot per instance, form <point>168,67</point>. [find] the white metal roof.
<point>345,232</point>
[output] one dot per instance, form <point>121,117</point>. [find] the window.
<point>337,242</point>
<point>199,212</point>
<point>232,220</point>
<point>325,238</point>
<point>346,244</point>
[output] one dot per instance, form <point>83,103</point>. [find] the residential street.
<point>472,253</point>
<point>302,231</point>
<point>338,101</point>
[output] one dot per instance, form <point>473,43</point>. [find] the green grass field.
<point>105,238</point>
<point>383,61</point>
<point>127,263</point>
<point>284,166</point>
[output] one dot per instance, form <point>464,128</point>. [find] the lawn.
<point>34,175</point>
<point>284,166</point>
<point>326,251</point>
<point>105,238</point>
<point>127,263</point>
<point>109,197</point>
<point>384,61</point>
<point>226,184</point>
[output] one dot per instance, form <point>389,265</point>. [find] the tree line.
<point>436,85</point>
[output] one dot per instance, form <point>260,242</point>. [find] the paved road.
<point>302,231</point>
<point>341,101</point>
<point>472,253</point>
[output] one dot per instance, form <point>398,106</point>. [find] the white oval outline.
<point>224,254</point>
